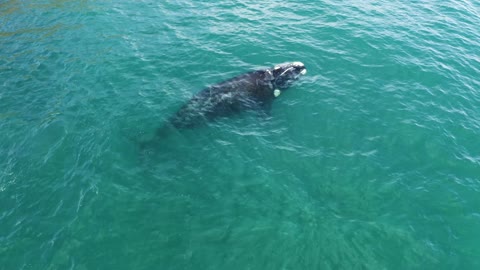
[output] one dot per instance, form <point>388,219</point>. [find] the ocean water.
<point>370,161</point>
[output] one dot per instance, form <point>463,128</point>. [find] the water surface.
<point>371,161</point>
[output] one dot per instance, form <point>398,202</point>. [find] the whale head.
<point>285,74</point>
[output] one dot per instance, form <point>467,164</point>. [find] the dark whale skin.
<point>252,90</point>
<point>255,90</point>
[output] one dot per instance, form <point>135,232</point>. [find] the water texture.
<point>371,161</point>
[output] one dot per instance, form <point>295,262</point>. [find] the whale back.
<point>252,90</point>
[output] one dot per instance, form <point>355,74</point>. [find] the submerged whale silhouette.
<point>252,90</point>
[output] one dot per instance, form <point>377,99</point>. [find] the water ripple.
<point>373,154</point>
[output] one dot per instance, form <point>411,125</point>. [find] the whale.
<point>254,90</point>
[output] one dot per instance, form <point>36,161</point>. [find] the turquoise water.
<point>371,161</point>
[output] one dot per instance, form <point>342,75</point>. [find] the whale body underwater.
<point>255,90</point>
